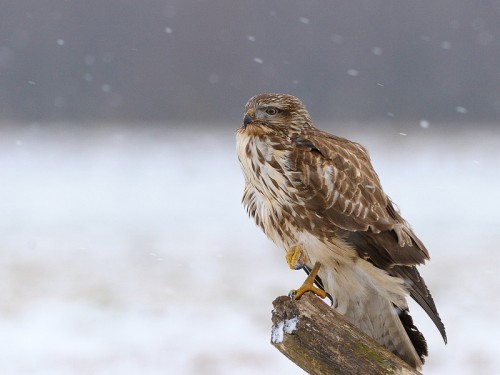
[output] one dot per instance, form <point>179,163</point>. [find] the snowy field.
<point>125,250</point>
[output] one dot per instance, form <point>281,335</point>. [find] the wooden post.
<point>320,341</point>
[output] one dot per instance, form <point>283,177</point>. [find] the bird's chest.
<point>264,167</point>
<point>268,190</point>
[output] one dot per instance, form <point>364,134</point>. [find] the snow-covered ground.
<point>125,250</point>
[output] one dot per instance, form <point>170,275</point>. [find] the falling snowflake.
<point>445,45</point>
<point>106,87</point>
<point>424,124</point>
<point>59,102</point>
<point>89,60</point>
<point>337,39</point>
<point>213,78</point>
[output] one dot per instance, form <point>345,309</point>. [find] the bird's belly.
<point>349,279</point>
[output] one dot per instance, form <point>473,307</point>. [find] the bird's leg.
<point>308,285</point>
<point>296,259</point>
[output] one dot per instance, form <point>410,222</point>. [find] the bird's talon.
<point>307,288</point>
<point>308,285</point>
<point>295,257</point>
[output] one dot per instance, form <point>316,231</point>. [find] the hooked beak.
<point>249,117</point>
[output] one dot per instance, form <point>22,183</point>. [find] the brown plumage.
<point>307,188</point>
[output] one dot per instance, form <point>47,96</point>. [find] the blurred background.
<point>123,244</point>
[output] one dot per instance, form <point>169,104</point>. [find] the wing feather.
<point>344,167</point>
<point>343,189</point>
<point>353,198</point>
<point>421,294</point>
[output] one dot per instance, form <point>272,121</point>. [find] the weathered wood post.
<point>320,341</point>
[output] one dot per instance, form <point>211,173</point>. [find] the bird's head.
<point>275,114</point>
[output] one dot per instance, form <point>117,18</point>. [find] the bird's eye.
<point>271,111</point>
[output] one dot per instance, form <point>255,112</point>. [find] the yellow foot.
<point>308,285</point>
<point>295,257</point>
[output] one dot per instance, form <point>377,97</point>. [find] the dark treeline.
<point>186,60</point>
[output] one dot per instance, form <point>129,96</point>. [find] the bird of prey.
<point>318,198</point>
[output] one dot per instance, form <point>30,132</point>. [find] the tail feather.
<point>416,337</point>
<point>372,308</point>
<point>420,293</point>
<point>391,326</point>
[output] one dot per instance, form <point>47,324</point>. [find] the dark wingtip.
<point>416,337</point>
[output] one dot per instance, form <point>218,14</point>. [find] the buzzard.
<point>317,197</point>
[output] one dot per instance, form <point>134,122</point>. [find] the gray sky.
<point>186,60</point>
